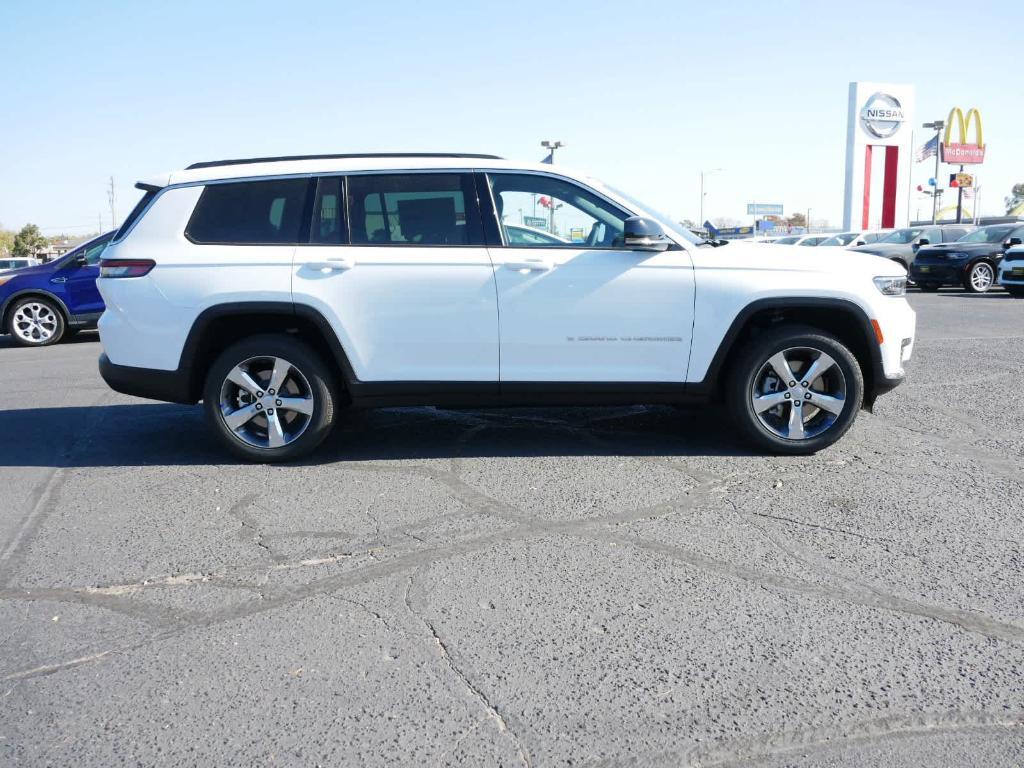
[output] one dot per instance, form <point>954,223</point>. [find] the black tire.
<point>973,286</point>
<point>929,287</point>
<point>750,365</point>
<point>1017,291</point>
<point>22,332</point>
<point>313,375</point>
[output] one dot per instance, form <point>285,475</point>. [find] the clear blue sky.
<point>644,94</point>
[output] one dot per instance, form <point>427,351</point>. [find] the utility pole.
<point>702,175</point>
<point>113,204</point>
<point>937,125</point>
<point>99,221</point>
<point>959,200</point>
<point>807,221</point>
<point>552,146</point>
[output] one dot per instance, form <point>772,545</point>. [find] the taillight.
<point>125,267</point>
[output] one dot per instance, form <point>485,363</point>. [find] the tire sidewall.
<point>61,322</point>
<point>299,355</point>
<point>749,365</point>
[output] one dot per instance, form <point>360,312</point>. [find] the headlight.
<point>892,286</point>
<point>6,278</point>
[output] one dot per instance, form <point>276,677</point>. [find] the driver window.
<point>538,211</point>
<point>92,255</point>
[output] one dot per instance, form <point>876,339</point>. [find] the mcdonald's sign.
<point>961,152</point>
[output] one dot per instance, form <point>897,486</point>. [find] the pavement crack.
<point>474,690</point>
<point>970,621</point>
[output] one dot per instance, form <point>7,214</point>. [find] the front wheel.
<point>980,277</point>
<point>36,322</point>
<point>795,390</point>
<point>270,398</point>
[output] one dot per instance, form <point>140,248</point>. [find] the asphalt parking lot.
<point>606,587</point>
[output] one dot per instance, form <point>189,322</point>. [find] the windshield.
<point>841,239</point>
<point>664,219</point>
<point>987,235</point>
<point>902,236</point>
<point>789,240</point>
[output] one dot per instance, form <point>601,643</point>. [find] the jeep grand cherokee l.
<point>278,290</point>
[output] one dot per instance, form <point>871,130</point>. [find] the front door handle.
<point>533,265</point>
<point>58,279</point>
<point>340,263</point>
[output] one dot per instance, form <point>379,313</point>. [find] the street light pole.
<point>702,175</point>
<point>937,125</point>
<point>552,146</point>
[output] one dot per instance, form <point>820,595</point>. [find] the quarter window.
<point>414,209</point>
<point>538,211</point>
<point>249,212</point>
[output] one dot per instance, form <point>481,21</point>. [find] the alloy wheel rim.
<point>981,277</point>
<point>35,322</point>
<point>799,393</point>
<point>266,402</point>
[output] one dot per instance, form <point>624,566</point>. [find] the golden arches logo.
<point>963,152</point>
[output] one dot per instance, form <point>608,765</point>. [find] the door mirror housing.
<point>923,241</point>
<point>80,260</point>
<point>1012,242</point>
<point>643,234</point>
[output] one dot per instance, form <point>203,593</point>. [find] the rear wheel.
<point>795,390</point>
<point>980,277</point>
<point>270,398</point>
<point>36,322</point>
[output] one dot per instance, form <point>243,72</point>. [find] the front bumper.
<point>1011,273</point>
<point>155,384</point>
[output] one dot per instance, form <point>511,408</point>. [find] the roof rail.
<point>250,160</point>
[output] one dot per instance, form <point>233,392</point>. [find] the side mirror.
<point>642,234</point>
<point>923,241</point>
<point>1012,242</point>
<point>80,260</point>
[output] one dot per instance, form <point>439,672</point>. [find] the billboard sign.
<point>764,209</point>
<point>962,152</point>
<point>536,222</point>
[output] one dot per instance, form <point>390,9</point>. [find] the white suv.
<point>277,290</point>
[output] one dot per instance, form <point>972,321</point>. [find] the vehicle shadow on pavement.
<point>81,337</point>
<point>149,434</point>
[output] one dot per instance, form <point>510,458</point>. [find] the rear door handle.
<point>339,263</point>
<point>533,265</point>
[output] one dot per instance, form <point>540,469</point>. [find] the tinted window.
<point>789,240</point>
<point>988,235</point>
<point>414,209</point>
<point>573,215</point>
<point>254,212</point>
<point>948,235</point>
<point>136,212</point>
<point>95,251</point>
<point>328,212</point>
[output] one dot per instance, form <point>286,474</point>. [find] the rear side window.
<point>414,209</point>
<point>136,212</point>
<point>249,212</point>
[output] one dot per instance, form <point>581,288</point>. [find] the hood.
<point>971,248</point>
<point>884,249</point>
<point>740,254</point>
<point>38,269</point>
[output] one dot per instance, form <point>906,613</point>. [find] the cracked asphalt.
<point>538,587</point>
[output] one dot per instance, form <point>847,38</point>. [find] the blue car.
<point>43,304</point>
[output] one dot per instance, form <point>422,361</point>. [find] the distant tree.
<point>1016,199</point>
<point>29,241</point>
<point>725,221</point>
<point>6,241</point>
<point>688,224</point>
<point>797,220</point>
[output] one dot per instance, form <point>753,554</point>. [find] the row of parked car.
<point>976,258</point>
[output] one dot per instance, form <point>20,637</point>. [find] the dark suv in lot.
<point>972,261</point>
<point>902,245</point>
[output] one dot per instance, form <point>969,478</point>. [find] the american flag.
<point>929,149</point>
